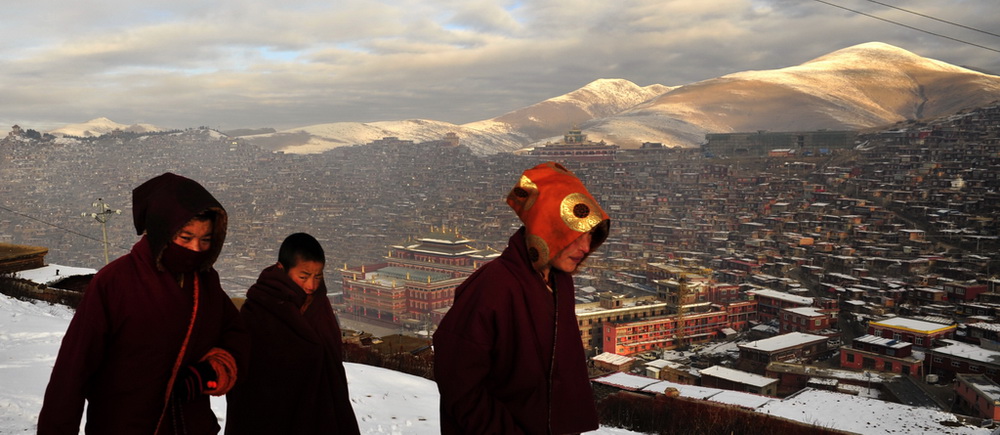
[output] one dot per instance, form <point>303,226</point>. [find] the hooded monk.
<point>508,356</point>
<point>154,334</point>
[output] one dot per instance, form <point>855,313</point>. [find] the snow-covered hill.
<point>322,137</point>
<point>867,85</point>
<point>864,86</point>
<point>101,126</point>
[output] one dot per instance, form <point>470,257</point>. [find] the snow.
<point>913,325</point>
<point>863,415</point>
<point>774,294</point>
<point>967,351</point>
<point>854,414</point>
<point>738,376</point>
<point>783,341</point>
<point>101,126</point>
<point>53,273</point>
<point>384,401</point>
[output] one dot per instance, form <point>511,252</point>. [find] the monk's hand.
<point>193,380</point>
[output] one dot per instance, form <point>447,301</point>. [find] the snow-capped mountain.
<point>321,137</point>
<point>101,126</point>
<point>867,85</point>
<point>864,86</point>
<point>597,100</point>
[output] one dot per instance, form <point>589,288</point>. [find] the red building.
<point>977,395</point>
<point>416,283</point>
<point>668,332</point>
<point>963,291</point>
<point>806,319</point>
<point>918,332</point>
<point>576,146</point>
<point>771,302</point>
<point>956,357</point>
<point>869,352</point>
<point>791,347</point>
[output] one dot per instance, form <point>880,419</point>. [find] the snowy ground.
<point>384,401</point>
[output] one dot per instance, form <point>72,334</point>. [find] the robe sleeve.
<point>234,338</point>
<point>463,358</point>
<point>80,356</point>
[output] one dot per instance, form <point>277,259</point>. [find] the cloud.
<point>256,63</point>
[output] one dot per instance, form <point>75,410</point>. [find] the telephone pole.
<point>103,214</point>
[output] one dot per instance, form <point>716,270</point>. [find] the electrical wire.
<point>68,230</point>
<point>908,26</point>
<point>77,233</point>
<point>934,18</point>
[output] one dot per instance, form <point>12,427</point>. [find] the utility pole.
<point>103,214</point>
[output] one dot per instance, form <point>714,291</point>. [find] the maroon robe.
<point>121,346</point>
<point>508,356</point>
<point>295,383</point>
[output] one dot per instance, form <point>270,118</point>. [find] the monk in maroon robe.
<point>295,383</point>
<point>155,334</point>
<point>508,355</point>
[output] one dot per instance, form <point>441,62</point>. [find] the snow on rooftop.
<point>738,376</point>
<point>805,311</point>
<point>856,414</point>
<point>53,273</point>
<point>626,381</point>
<point>865,416</point>
<point>912,324</point>
<point>774,294</point>
<point>988,388</point>
<point>613,358</point>
<point>967,351</point>
<point>782,341</point>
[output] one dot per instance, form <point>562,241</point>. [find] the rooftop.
<point>774,294</point>
<point>913,325</point>
<point>738,376</point>
<point>783,341</point>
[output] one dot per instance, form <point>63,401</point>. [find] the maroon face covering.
<point>178,259</point>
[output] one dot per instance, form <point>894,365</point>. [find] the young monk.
<point>296,382</point>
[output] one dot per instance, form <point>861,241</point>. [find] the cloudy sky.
<point>291,63</point>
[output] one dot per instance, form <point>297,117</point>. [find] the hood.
<point>556,209</point>
<point>164,204</point>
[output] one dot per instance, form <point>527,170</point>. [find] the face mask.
<point>178,259</point>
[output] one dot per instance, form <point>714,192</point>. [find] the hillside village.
<point>817,268</point>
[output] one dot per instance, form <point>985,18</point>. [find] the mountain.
<point>597,100</point>
<point>864,86</point>
<point>508,132</point>
<point>101,126</point>
<point>867,85</point>
<point>321,137</point>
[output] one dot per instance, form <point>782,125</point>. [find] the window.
<point>819,322</point>
<point>850,357</point>
<point>956,364</point>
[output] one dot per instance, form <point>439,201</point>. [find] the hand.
<point>193,380</point>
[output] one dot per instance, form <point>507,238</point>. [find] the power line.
<point>934,18</point>
<point>77,233</point>
<point>908,26</point>
<point>68,230</point>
